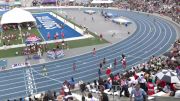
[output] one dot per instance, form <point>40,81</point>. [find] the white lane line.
<point>101,54</point>
<point>4,80</point>
<point>170,29</point>
<point>26,87</point>
<point>95,60</point>
<point>9,72</point>
<point>109,49</point>
<point>76,78</point>
<point>84,67</point>
<point>8,84</point>
<point>137,39</point>
<point>116,49</point>
<point>11,93</point>
<point>147,41</point>
<point>45,77</point>
<point>126,44</point>
<point>153,42</point>
<point>13,88</point>
<point>89,69</point>
<point>11,75</point>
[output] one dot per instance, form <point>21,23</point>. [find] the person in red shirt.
<point>62,35</point>
<point>172,87</point>
<point>48,36</point>
<point>57,35</point>
<point>163,83</point>
<point>62,92</point>
<point>150,87</point>
<point>116,77</point>
<point>135,76</point>
<point>108,71</point>
<point>123,62</point>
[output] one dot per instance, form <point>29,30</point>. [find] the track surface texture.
<point>150,38</point>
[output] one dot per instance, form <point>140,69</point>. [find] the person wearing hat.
<point>177,87</point>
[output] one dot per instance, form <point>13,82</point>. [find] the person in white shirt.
<point>177,87</point>
<point>91,98</point>
<point>166,88</point>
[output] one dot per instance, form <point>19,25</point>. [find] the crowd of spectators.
<point>64,94</point>
<point>47,96</point>
<point>11,32</point>
<point>146,80</point>
<point>144,75</point>
<point>169,8</point>
<point>140,77</point>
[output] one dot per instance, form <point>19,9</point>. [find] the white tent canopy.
<point>121,20</point>
<point>17,15</point>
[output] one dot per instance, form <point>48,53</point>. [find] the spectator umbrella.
<point>168,76</point>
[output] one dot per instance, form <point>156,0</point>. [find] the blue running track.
<point>149,39</point>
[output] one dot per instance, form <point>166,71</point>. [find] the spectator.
<point>72,83</point>
<point>135,76</point>
<point>91,97</point>
<point>95,84</point>
<point>103,96</point>
<point>50,95</point>
<point>55,95</point>
<point>166,88</point>
<point>83,98</point>
<point>177,93</point>
<point>20,99</point>
<point>82,87</point>
<point>62,93</point>
<point>88,86</point>
<point>142,82</point>
<point>124,86</point>
<point>150,87</point>
<point>139,94</point>
<point>100,81</point>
